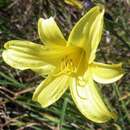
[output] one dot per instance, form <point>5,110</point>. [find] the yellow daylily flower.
<point>74,3</point>
<point>68,64</point>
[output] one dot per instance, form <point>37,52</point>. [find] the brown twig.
<point>16,94</point>
<point>23,92</point>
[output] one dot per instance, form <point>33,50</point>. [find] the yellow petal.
<point>89,101</point>
<point>25,55</point>
<point>38,90</point>
<point>44,70</point>
<point>75,3</point>
<point>88,30</point>
<point>22,54</point>
<point>106,73</point>
<point>50,90</point>
<point>49,32</point>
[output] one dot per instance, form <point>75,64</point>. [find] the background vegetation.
<point>18,20</point>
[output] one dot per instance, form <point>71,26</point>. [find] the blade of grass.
<point>11,80</point>
<point>63,113</point>
<point>116,89</point>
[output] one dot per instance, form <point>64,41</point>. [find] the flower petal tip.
<point>101,7</point>
<point>6,45</point>
<point>34,98</point>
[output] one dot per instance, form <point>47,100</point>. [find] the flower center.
<point>74,64</point>
<point>68,66</point>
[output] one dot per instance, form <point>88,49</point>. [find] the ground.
<point>18,20</point>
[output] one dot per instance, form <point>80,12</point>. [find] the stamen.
<point>67,65</point>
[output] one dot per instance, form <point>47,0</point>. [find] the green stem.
<point>122,102</point>
<point>63,113</point>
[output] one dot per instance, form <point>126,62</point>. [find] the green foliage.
<point>18,20</point>
<point>4,3</point>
